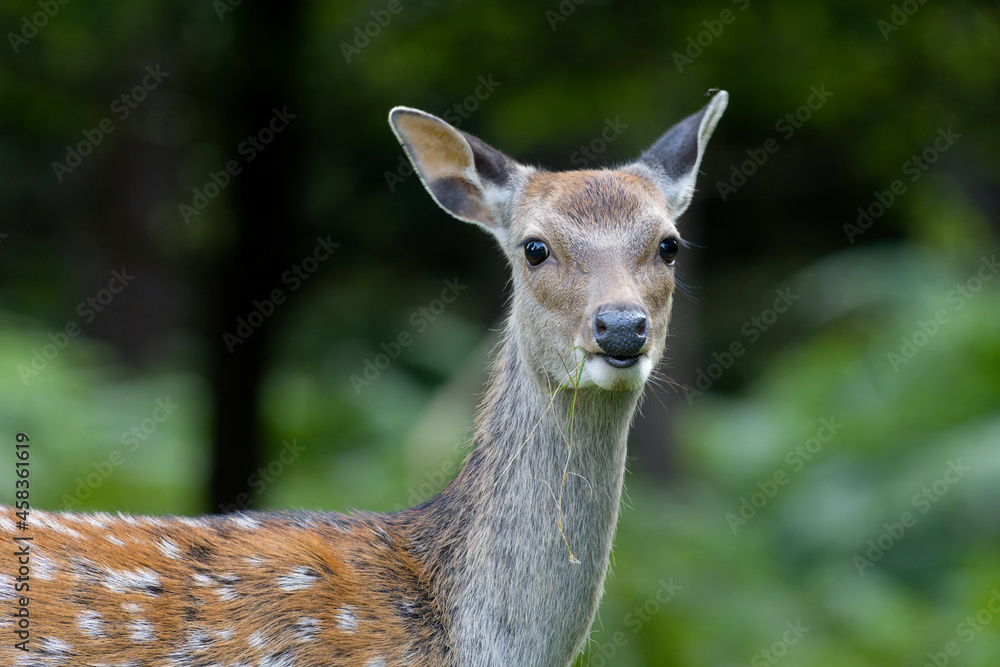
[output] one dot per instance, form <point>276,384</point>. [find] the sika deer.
<point>506,565</point>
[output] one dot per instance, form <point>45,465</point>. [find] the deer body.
<point>506,565</point>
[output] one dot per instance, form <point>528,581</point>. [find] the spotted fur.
<point>506,565</point>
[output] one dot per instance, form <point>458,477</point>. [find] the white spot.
<point>346,620</point>
<point>226,593</point>
<point>141,631</point>
<point>254,560</point>
<point>52,645</point>
<point>6,524</point>
<point>376,662</point>
<point>203,580</point>
<point>198,638</point>
<point>224,635</point>
<point>99,520</point>
<point>307,628</point>
<point>256,640</point>
<point>191,521</point>
<point>131,608</point>
<point>245,521</point>
<point>169,549</point>
<point>300,578</point>
<point>42,567</point>
<point>90,624</point>
<point>49,521</point>
<point>121,581</point>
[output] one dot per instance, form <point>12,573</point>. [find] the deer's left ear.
<point>467,177</point>
<point>675,158</point>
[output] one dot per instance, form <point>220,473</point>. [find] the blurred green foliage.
<point>894,336</point>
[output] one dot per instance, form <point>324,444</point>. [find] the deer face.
<point>591,252</point>
<point>592,256</point>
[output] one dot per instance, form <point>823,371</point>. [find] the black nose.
<point>620,333</point>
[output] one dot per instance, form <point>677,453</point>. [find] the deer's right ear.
<point>466,177</point>
<point>675,158</point>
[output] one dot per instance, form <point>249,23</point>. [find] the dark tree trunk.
<point>263,197</point>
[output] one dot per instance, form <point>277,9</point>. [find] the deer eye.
<point>535,252</point>
<point>668,249</point>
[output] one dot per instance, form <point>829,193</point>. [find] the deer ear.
<point>675,157</point>
<point>466,177</point>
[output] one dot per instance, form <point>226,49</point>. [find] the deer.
<point>507,564</point>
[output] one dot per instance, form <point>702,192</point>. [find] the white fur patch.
<point>56,646</point>
<point>193,522</point>
<point>49,521</point>
<point>141,631</point>
<point>245,522</point>
<point>226,593</point>
<point>42,567</point>
<point>139,580</point>
<point>98,520</point>
<point>91,623</point>
<point>299,579</point>
<point>307,629</point>
<point>169,549</point>
<point>346,620</point>
<point>203,580</point>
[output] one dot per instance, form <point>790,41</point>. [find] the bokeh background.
<point>826,496</point>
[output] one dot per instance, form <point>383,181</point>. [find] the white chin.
<point>598,372</point>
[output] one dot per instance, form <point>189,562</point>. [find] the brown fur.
<point>162,591</point>
<point>506,565</point>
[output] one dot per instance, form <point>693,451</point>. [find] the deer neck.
<point>518,544</point>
